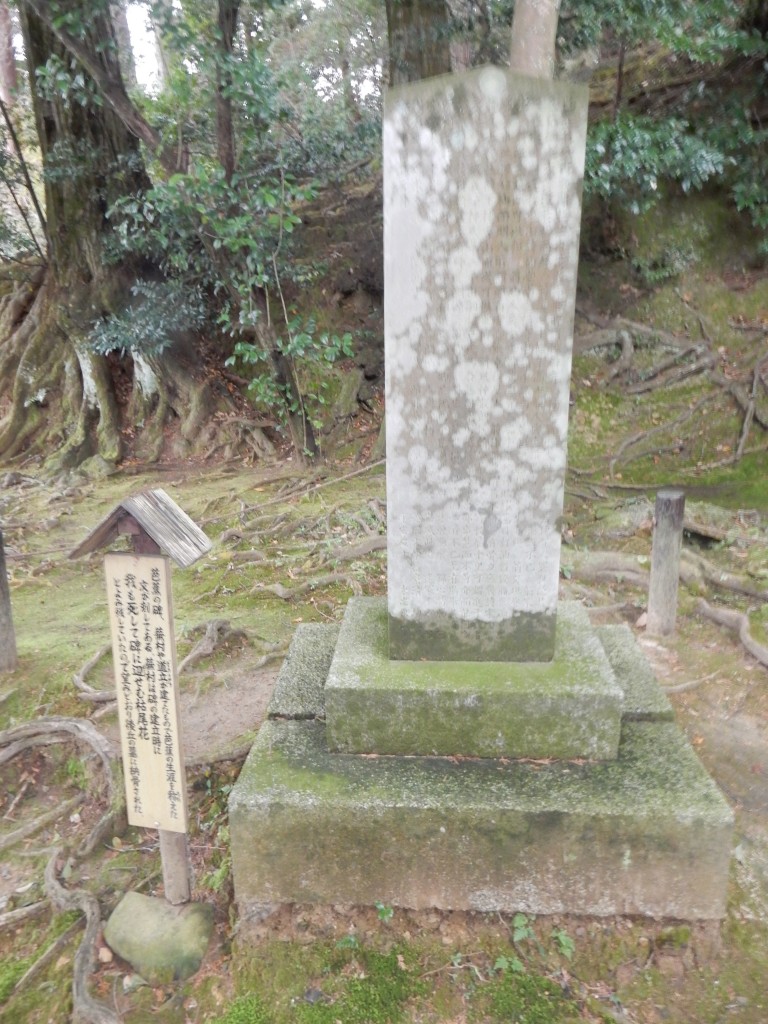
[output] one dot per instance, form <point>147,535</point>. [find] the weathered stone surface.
<point>482,188</point>
<point>299,687</point>
<point>644,699</point>
<point>647,834</point>
<point>569,707</point>
<point>162,943</point>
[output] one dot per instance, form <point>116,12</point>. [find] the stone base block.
<point>647,834</point>
<point>569,707</point>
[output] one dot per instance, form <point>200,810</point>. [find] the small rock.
<point>161,942</point>
<point>131,982</point>
<point>105,955</point>
<point>642,621</point>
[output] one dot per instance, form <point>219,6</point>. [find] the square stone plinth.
<point>647,834</point>
<point>569,707</point>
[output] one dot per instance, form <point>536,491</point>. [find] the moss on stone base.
<point>569,707</point>
<point>647,834</point>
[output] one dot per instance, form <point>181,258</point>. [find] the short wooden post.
<point>174,846</point>
<point>665,561</point>
<point>7,635</point>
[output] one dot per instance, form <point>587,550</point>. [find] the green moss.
<point>10,972</point>
<point>526,998</point>
<point>675,937</point>
<point>246,1010</point>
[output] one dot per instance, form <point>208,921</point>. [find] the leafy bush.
<point>162,309</point>
<point>629,158</point>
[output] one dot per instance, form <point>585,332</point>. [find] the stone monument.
<point>470,668</point>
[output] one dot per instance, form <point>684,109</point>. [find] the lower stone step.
<point>648,834</point>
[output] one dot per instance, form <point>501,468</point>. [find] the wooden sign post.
<point>144,650</point>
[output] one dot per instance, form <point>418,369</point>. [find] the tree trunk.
<point>225,138</point>
<point>124,45</point>
<point>534,31</point>
<point>419,39</point>
<point>8,77</point>
<point>59,394</point>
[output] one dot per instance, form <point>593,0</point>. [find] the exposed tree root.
<point>87,692</point>
<point>61,398</point>
<point>217,632</point>
<point>696,571</point>
<point>607,566</point>
<point>42,962</point>
<point>86,1009</point>
<point>738,622</point>
<point>291,593</point>
<point>609,333</point>
<point>692,685</point>
<point>701,365</point>
<point>13,917</point>
<point>12,741</point>
<point>375,542</point>
<point>62,730</point>
<point>43,820</point>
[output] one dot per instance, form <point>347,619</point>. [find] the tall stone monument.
<point>470,654</point>
<point>482,208</point>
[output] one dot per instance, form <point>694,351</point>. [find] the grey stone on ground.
<point>162,943</point>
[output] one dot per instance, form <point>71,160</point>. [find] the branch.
<point>25,173</point>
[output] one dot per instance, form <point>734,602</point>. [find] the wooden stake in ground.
<point>7,635</point>
<point>665,561</point>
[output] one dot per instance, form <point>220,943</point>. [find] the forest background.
<point>158,295</point>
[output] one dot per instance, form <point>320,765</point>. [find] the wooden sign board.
<point>144,649</point>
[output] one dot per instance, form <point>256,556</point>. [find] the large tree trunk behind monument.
<point>419,38</point>
<point>56,393</point>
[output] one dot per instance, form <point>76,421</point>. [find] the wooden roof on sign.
<point>160,517</point>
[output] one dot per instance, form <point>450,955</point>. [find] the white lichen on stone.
<point>482,186</point>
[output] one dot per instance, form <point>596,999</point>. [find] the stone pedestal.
<point>645,834</point>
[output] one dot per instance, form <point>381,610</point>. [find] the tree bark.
<point>124,45</point>
<point>225,138</point>
<point>8,77</point>
<point>419,39</point>
<point>534,31</point>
